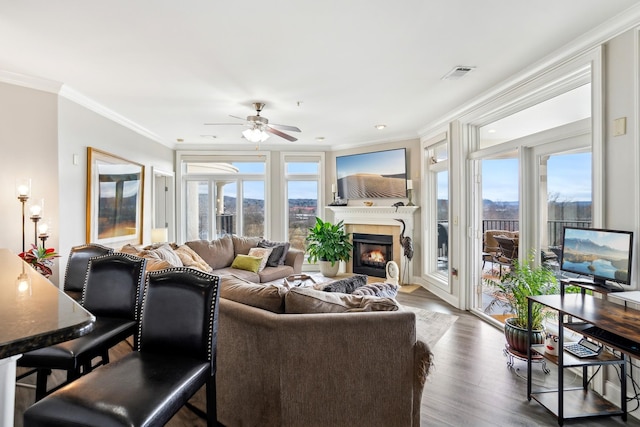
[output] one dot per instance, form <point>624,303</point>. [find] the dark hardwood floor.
<point>470,384</point>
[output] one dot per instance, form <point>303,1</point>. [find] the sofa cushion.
<point>244,274</point>
<point>346,285</point>
<point>279,254</point>
<point>190,258</point>
<point>242,245</point>
<point>386,290</point>
<point>270,274</point>
<point>217,253</point>
<point>266,297</point>
<point>263,254</point>
<point>247,262</point>
<point>308,300</point>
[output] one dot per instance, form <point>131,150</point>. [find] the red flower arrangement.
<point>40,258</point>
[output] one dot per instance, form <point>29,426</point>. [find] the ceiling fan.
<point>259,127</point>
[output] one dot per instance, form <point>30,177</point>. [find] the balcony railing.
<point>554,227</point>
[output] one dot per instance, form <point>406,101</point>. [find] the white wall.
<point>28,137</point>
<point>80,128</point>
<point>621,155</point>
<point>39,134</point>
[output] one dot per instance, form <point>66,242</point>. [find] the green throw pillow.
<point>246,262</point>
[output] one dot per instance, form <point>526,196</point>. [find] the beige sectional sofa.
<point>304,357</point>
<point>218,257</point>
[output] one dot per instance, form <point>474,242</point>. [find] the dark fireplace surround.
<point>371,252</point>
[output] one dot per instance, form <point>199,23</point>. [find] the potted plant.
<point>524,280</point>
<point>329,244</point>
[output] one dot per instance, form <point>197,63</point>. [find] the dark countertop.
<point>38,316</point>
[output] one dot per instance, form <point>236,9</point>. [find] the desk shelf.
<point>583,311</point>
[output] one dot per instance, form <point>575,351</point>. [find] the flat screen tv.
<point>603,255</point>
<point>378,174</point>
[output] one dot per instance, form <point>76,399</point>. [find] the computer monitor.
<point>604,255</point>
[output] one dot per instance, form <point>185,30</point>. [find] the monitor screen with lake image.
<point>379,174</point>
<point>605,255</point>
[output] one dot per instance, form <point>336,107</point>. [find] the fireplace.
<point>371,252</point>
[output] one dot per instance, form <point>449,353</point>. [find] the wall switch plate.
<point>76,159</point>
<point>620,126</point>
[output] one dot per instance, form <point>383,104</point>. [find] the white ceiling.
<point>333,68</point>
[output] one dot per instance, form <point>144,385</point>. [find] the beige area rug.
<point>407,289</point>
<point>431,325</point>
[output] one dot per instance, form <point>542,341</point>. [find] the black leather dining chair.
<point>76,270</point>
<point>175,356</point>
<point>111,293</point>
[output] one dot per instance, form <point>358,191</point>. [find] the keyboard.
<point>613,339</point>
<point>583,348</point>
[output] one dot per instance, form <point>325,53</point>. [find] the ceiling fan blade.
<point>236,117</point>
<point>285,127</point>
<point>280,134</point>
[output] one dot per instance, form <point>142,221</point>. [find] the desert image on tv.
<point>372,175</point>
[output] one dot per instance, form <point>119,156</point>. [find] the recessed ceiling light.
<point>380,127</point>
<point>320,138</point>
<point>180,140</point>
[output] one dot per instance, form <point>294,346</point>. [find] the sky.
<point>568,176</point>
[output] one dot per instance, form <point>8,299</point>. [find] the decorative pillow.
<point>247,262</point>
<point>157,264</point>
<point>242,245</point>
<point>191,259</point>
<point>279,254</point>
<point>266,297</point>
<point>262,253</point>
<point>217,253</point>
<point>386,290</point>
<point>346,285</point>
<point>164,252</point>
<point>308,300</point>
<point>130,249</point>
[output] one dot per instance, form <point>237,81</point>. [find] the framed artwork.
<point>379,174</point>
<point>115,189</point>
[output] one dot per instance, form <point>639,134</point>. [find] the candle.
<point>43,228</point>
<point>23,190</point>
<point>409,184</point>
<point>333,188</point>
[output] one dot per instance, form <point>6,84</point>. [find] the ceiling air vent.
<point>458,72</point>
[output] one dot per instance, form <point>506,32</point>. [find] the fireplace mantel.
<point>374,214</point>
<point>380,215</point>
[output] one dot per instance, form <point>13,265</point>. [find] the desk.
<point>622,321</point>
<point>37,316</point>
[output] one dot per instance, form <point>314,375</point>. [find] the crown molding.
<point>90,104</point>
<point>30,82</point>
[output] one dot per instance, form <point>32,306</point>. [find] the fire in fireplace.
<point>371,252</point>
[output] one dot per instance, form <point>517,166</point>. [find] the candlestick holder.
<point>409,195</point>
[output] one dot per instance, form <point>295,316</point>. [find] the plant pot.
<point>517,337</point>
<point>327,270</point>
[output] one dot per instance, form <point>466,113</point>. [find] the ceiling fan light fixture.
<point>255,135</point>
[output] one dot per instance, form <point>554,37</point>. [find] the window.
<point>436,236</point>
<point>302,183</point>
<point>224,195</point>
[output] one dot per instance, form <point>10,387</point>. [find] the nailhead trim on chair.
<point>196,272</point>
<point>77,248</point>
<point>130,257</point>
